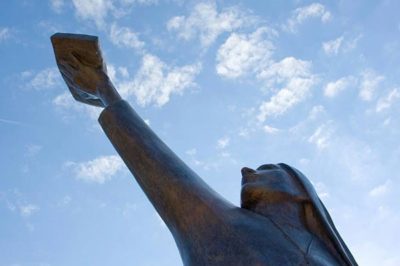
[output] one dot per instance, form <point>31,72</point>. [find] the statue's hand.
<point>81,65</point>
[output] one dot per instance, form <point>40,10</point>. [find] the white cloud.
<point>32,150</point>
<point>141,2</point>
<point>98,170</point>
<point>16,202</point>
<point>95,10</point>
<point>285,69</point>
<point>65,201</point>
<point>387,101</point>
<point>244,132</point>
<point>4,33</point>
<point>387,121</point>
<point>297,80</point>
<point>207,23</point>
<point>57,5</point>
<point>333,88</point>
<point>340,44</point>
<point>45,79</point>
<point>222,143</point>
<point>123,71</point>
<point>64,100</point>
<point>116,74</point>
<point>316,112</point>
<point>67,103</point>
<point>351,44</point>
<point>322,190</point>
<point>332,47</point>
<point>124,36</point>
<point>304,161</point>
<point>99,10</point>
<point>191,152</point>
<point>155,81</point>
<point>321,136</point>
<point>381,190</point>
<point>242,53</point>
<point>301,14</point>
<point>28,210</point>
<point>369,82</point>
<point>270,130</point>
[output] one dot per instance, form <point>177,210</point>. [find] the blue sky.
<point>225,84</point>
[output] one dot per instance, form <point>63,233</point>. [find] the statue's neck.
<point>288,217</point>
<point>285,214</point>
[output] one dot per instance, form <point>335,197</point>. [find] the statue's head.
<point>269,184</point>
<point>273,184</point>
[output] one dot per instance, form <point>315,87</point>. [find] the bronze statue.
<point>281,220</point>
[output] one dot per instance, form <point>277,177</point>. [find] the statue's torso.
<point>241,238</point>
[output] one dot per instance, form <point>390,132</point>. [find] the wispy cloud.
<point>290,79</point>
<point>45,79</point>
<point>65,201</point>
<point>5,33</point>
<point>28,209</point>
<point>335,87</point>
<point>98,11</point>
<point>94,10</point>
<point>315,112</point>
<point>155,81</point>
<point>381,190</point>
<point>16,202</point>
<point>98,170</point>
<point>11,122</point>
<point>322,190</point>
<point>242,53</point>
<point>222,143</point>
<point>332,47</point>
<point>33,150</point>
<point>369,83</point>
<point>340,44</point>
<point>191,152</point>
<point>296,79</point>
<point>66,103</point>
<point>387,101</point>
<point>322,135</point>
<point>270,130</point>
<point>124,36</point>
<point>301,14</point>
<point>57,5</point>
<point>207,23</point>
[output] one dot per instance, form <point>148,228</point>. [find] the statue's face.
<point>268,184</point>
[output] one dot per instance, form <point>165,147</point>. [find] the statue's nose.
<point>246,170</point>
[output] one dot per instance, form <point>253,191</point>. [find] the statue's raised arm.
<point>173,188</point>
<point>281,220</point>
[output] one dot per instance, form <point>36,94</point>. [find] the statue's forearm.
<point>175,190</point>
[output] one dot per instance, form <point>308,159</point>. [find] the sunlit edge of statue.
<point>281,220</point>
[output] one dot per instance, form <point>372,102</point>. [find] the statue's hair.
<point>322,215</point>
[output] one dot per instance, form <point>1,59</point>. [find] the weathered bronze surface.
<point>281,220</point>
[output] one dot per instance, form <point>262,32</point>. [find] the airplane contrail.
<point>12,122</point>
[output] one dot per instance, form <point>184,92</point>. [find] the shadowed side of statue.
<point>281,220</point>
